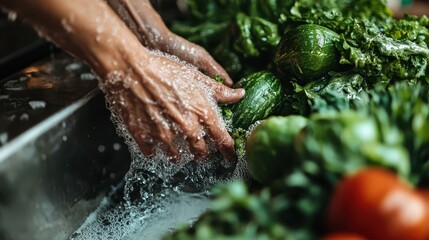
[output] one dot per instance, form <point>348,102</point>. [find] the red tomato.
<point>343,236</point>
<point>424,192</point>
<point>377,205</point>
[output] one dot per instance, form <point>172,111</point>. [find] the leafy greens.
<point>382,87</point>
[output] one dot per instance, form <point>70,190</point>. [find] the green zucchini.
<point>307,52</point>
<point>264,97</point>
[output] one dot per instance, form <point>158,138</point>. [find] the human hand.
<point>163,101</point>
<point>148,26</point>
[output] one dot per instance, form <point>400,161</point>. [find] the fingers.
<point>207,64</point>
<point>223,142</point>
<point>218,133</point>
<point>169,146</point>
<point>165,135</point>
<point>192,130</point>
<point>139,134</point>
<point>197,56</point>
<point>195,138</point>
<point>145,142</point>
<point>228,95</point>
<point>222,93</point>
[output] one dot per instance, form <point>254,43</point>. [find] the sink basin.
<point>59,151</point>
<point>63,166</point>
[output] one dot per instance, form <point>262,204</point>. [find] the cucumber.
<point>264,97</point>
<point>308,52</point>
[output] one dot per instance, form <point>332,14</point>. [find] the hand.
<point>160,100</point>
<point>148,26</point>
<point>163,101</point>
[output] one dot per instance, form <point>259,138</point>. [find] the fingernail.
<point>238,93</point>
<point>241,92</point>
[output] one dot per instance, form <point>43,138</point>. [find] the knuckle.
<point>165,137</point>
<point>225,142</point>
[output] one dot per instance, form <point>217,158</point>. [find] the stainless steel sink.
<point>63,166</point>
<point>59,152</point>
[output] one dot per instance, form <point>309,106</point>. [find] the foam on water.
<point>14,85</point>
<point>140,222</point>
<point>24,117</point>
<point>87,76</point>
<point>37,104</point>
<point>74,66</point>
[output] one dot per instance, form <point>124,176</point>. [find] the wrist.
<point>89,30</point>
<point>117,54</point>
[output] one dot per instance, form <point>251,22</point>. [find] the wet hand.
<point>153,33</point>
<point>161,101</point>
<point>168,104</point>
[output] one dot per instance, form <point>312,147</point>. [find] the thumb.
<point>221,92</point>
<point>224,94</point>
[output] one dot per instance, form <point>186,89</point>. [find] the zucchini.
<point>264,97</point>
<point>308,52</point>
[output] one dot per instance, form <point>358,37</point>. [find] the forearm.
<point>87,29</point>
<point>143,20</point>
<point>152,32</point>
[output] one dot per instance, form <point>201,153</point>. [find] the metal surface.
<point>63,159</point>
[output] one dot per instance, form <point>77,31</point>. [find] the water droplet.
<point>117,146</point>
<point>24,117</point>
<point>101,148</point>
<point>13,85</point>
<point>73,66</point>
<point>66,25</point>
<point>64,138</point>
<point>87,76</point>
<point>37,104</point>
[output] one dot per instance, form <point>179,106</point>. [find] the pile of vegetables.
<point>339,93</point>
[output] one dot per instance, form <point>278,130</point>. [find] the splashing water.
<point>158,195</point>
<point>74,66</point>
<point>87,76</point>
<point>14,85</point>
<point>24,117</point>
<point>37,104</point>
<point>113,221</point>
